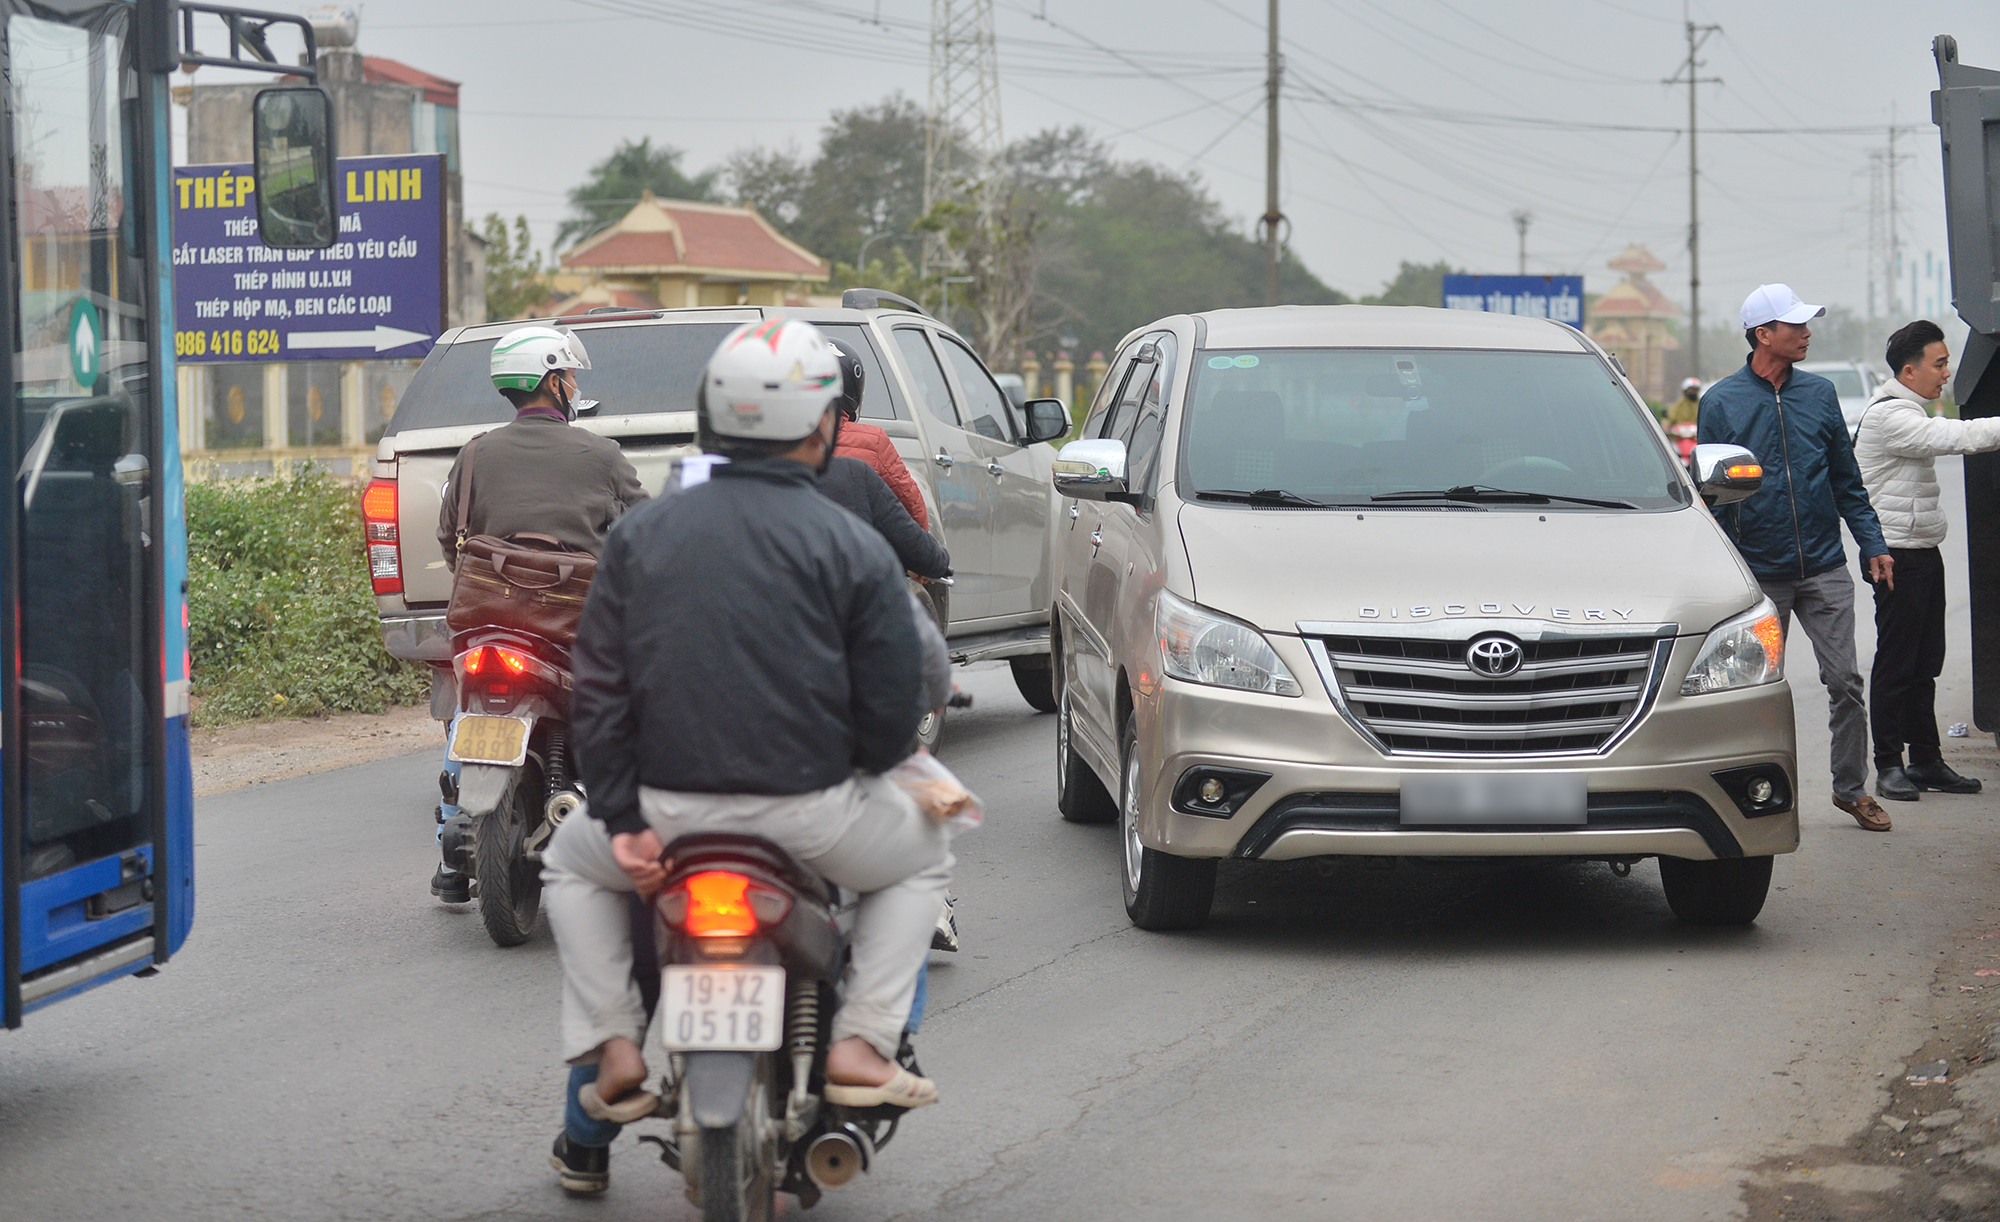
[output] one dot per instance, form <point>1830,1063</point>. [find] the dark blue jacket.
<point>1790,530</point>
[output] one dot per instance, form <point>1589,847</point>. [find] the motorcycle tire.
<point>739,1182</point>
<point>510,886</point>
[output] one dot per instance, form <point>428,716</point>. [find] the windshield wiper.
<point>1482,493</point>
<point>1262,496</point>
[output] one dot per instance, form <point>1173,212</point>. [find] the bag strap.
<point>465,488</point>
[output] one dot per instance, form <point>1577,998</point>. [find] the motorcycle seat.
<point>709,850</point>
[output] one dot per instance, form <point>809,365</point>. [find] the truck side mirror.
<point>1726,474</point>
<point>1048,419</point>
<point>293,128</point>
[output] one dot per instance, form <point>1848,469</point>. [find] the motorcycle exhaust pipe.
<point>835,1158</point>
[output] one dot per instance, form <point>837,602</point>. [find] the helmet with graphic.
<point>770,381</point>
<point>526,355</point>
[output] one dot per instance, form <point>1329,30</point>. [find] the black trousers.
<point>1909,656</point>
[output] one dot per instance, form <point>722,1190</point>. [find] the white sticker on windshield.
<point>1220,362</point>
<point>1246,361</point>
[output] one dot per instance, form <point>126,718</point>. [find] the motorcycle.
<point>516,780</point>
<point>749,946</point>
<point>1684,439</point>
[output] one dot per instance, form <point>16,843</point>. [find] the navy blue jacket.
<point>1790,530</point>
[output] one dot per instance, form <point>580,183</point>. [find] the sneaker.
<point>1866,811</point>
<point>1938,777</point>
<point>583,1170</point>
<point>1894,784</point>
<point>451,887</point>
<point>945,936</point>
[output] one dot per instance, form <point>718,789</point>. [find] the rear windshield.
<point>1348,425</point>
<point>633,371</point>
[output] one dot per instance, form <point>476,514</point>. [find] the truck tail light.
<point>385,554</point>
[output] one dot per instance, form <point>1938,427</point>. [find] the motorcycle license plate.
<point>722,1009</point>
<point>490,740</point>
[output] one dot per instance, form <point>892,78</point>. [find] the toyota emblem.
<point>1494,656</point>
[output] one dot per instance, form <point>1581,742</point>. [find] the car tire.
<point>1726,892</point>
<point>1034,678</point>
<point>1080,796</point>
<point>930,728</point>
<point>1161,891</point>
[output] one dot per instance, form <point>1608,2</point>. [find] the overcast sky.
<point>1412,128</point>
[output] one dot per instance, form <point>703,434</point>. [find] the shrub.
<point>281,616</point>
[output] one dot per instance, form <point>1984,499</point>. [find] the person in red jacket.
<point>868,442</point>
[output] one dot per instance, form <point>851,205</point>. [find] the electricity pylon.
<point>962,129</point>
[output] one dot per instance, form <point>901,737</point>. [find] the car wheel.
<point>1080,796</point>
<point>1726,892</point>
<point>1034,678</point>
<point>930,729</point>
<point>1161,891</point>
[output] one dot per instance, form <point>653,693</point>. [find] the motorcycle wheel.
<point>510,886</point>
<point>738,1177</point>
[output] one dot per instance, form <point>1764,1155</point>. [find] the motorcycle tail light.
<point>475,661</point>
<point>722,904</point>
<point>385,554</point>
<point>512,661</point>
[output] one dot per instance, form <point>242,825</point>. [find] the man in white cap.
<point>1789,532</point>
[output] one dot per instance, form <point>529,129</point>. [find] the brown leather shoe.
<point>1866,811</point>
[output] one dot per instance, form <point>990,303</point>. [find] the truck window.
<point>634,371</point>
<point>879,400</point>
<point>926,374</point>
<point>986,404</point>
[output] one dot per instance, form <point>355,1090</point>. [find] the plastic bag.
<point>937,792</point>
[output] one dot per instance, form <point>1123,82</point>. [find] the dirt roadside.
<point>264,751</point>
<point>1932,1153</point>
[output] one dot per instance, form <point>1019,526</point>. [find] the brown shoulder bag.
<point>526,581</point>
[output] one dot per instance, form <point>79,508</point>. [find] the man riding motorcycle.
<point>749,662</point>
<point>870,443</point>
<point>533,476</point>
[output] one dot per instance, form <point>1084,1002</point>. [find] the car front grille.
<point>1571,694</point>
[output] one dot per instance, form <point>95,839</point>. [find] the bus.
<point>96,791</point>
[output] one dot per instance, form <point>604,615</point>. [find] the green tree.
<point>1416,284</point>
<point>514,283</point>
<point>615,183</point>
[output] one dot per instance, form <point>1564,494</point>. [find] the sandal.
<point>904,1090</point>
<point>635,1106</point>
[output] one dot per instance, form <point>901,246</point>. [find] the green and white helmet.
<point>526,355</point>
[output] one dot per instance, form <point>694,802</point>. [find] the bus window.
<point>84,402</point>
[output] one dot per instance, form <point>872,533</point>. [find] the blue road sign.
<point>377,292</point>
<point>1557,297</point>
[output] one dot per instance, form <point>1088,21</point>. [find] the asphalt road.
<point>1416,1043</point>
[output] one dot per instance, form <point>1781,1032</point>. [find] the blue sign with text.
<point>1557,297</point>
<point>377,292</point>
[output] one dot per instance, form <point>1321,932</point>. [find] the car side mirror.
<point>293,147</point>
<point>1725,474</point>
<point>1048,420</point>
<point>1091,470</point>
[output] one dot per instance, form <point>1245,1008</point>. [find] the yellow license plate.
<point>490,740</point>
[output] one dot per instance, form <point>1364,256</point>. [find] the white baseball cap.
<point>1776,303</point>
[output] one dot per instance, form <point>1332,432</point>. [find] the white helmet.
<point>771,381</point>
<point>526,355</point>
<point>1691,384</point>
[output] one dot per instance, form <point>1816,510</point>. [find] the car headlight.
<point>1203,647</point>
<point>1742,652</point>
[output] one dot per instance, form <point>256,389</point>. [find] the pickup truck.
<point>986,485</point>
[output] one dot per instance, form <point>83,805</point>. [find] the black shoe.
<point>1938,777</point>
<point>583,1170</point>
<point>451,887</point>
<point>1894,784</point>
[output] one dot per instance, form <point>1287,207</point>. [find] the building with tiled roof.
<point>676,252</point>
<point>1635,322</point>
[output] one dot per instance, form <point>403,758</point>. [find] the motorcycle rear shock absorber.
<point>802,1043</point>
<point>558,749</point>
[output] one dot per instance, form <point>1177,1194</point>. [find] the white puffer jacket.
<point>1895,446</point>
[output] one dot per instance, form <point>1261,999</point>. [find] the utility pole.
<point>1522,219</point>
<point>1272,219</point>
<point>1689,75</point>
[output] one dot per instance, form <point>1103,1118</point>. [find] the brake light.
<point>512,661</point>
<point>718,905</point>
<point>378,517</point>
<point>474,661</point>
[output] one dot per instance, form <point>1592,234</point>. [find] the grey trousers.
<point>1825,607</point>
<point>864,834</point>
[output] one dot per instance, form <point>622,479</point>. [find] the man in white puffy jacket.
<point>1896,446</point>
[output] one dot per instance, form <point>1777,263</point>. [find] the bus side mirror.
<point>294,167</point>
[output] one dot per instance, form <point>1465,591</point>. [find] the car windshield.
<point>1347,426</point>
<point>1846,382</point>
<point>633,371</point>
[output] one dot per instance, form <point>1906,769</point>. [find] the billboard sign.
<point>376,293</point>
<point>1557,297</point>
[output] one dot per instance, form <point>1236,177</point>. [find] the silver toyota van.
<point>1396,582</point>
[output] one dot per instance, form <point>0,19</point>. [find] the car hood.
<point>1276,568</point>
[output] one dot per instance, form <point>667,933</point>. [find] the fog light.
<point>1212,791</point>
<point>1761,791</point>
